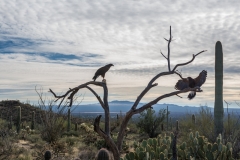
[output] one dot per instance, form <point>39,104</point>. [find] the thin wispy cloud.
<point>59,44</point>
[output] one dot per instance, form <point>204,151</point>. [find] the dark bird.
<point>102,71</point>
<point>190,82</point>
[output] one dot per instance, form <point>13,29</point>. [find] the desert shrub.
<point>101,143</point>
<point>204,124</point>
<point>71,133</point>
<point>86,151</point>
<point>90,136</point>
<point>232,133</point>
<point>87,154</point>
<point>34,138</point>
<point>132,125</point>
<point>149,122</point>
<point>71,140</point>
<point>3,124</point>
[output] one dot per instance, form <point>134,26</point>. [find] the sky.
<point>59,44</point>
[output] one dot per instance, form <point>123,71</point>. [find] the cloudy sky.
<point>59,44</point>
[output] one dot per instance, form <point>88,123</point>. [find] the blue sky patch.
<point>13,43</point>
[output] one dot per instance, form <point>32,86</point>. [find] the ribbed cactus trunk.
<point>76,127</point>
<point>69,120</point>
<point>33,121</point>
<point>177,125</point>
<point>218,106</point>
<point>10,123</point>
<point>167,118</point>
<point>170,121</point>
<point>19,120</point>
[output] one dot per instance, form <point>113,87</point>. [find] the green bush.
<point>149,122</point>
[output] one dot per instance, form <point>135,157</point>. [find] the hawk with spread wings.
<point>190,82</point>
<point>102,71</point>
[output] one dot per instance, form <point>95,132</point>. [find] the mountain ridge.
<point>124,106</point>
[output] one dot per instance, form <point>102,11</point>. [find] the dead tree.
<point>117,147</point>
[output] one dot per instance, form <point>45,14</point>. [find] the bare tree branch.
<point>166,39</point>
<point>148,105</point>
<point>106,109</point>
<point>73,91</point>
<point>183,64</point>
<point>178,96</point>
<point>97,96</point>
<point>163,55</point>
<point>107,138</point>
<point>169,41</point>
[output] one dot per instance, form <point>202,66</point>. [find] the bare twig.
<point>169,41</point>
<point>97,96</point>
<point>183,64</point>
<point>178,74</point>
<point>107,138</point>
<point>178,96</point>
<point>163,54</point>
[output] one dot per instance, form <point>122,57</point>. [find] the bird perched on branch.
<point>190,82</point>
<point>102,71</point>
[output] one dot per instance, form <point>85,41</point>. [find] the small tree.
<point>117,147</point>
<point>52,119</point>
<point>150,122</point>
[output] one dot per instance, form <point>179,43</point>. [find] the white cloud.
<point>128,34</point>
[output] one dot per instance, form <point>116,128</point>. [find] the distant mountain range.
<point>124,106</point>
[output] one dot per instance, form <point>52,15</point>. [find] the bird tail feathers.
<point>191,95</point>
<point>94,78</point>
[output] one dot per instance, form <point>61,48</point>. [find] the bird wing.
<point>182,84</point>
<point>200,80</point>
<point>101,72</point>
<point>98,73</point>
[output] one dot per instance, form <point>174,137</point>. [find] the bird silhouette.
<point>102,71</point>
<point>189,82</point>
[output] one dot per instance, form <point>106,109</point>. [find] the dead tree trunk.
<point>117,147</point>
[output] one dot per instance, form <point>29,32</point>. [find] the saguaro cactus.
<point>177,125</point>
<point>19,119</point>
<point>218,106</point>
<point>193,119</point>
<point>10,123</point>
<point>167,118</point>
<point>170,121</point>
<point>76,127</point>
<point>69,120</point>
<point>33,121</point>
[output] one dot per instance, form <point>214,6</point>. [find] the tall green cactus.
<point>167,118</point>
<point>170,121</point>
<point>194,120</point>
<point>33,121</point>
<point>19,116</point>
<point>177,125</point>
<point>76,126</point>
<point>218,106</point>
<point>69,120</point>
<point>10,123</point>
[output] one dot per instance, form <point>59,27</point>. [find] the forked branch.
<point>104,104</point>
